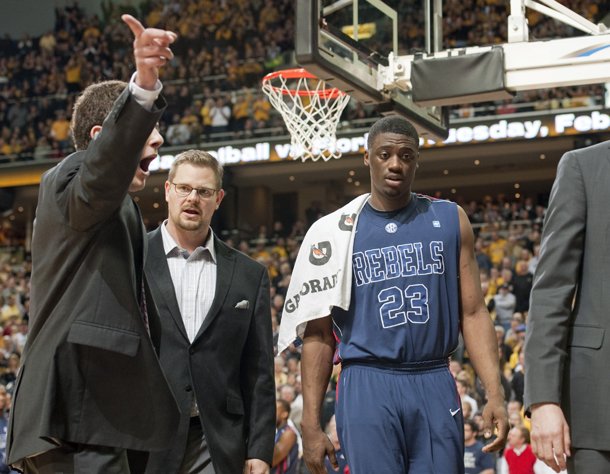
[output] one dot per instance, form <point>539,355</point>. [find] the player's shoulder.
<point>425,202</point>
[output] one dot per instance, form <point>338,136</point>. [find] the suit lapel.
<point>158,274</point>
<point>225,264</point>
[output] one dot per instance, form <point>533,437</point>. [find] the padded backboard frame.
<point>348,64</point>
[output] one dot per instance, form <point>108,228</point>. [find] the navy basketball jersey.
<point>405,296</point>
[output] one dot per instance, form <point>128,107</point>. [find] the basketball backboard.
<point>343,42</point>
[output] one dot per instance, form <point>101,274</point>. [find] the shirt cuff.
<point>142,96</point>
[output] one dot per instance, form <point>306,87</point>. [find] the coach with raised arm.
<point>91,396</point>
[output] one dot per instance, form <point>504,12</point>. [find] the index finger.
<point>134,25</point>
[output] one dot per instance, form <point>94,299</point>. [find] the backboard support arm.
<point>527,65</point>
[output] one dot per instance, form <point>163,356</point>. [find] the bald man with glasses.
<point>216,342</point>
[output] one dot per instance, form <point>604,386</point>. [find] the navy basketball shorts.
<point>400,420</point>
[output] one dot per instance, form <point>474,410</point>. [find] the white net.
<point>311,111</point>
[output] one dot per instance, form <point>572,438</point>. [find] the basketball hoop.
<point>311,111</point>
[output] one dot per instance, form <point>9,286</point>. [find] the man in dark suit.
<point>216,343</point>
<point>567,350</point>
<point>91,387</point>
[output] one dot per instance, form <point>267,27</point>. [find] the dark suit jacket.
<point>228,367</point>
<point>90,373</point>
<point>567,351</point>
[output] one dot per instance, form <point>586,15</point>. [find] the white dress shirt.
<point>142,96</point>
<point>194,278</point>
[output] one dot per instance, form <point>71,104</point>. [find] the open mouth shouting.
<point>146,161</point>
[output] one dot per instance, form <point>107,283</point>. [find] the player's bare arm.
<point>480,339</point>
<point>316,368</point>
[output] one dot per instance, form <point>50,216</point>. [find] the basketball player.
<point>414,284</point>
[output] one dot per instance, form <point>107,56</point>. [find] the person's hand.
<point>151,51</point>
<point>550,435</point>
<point>495,421</point>
<point>256,466</point>
<point>316,446</point>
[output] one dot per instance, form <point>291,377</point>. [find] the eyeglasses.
<point>184,190</point>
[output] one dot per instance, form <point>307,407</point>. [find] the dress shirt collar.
<point>171,248</point>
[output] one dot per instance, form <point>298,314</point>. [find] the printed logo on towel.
<point>320,253</point>
<point>315,285</point>
<point>347,221</point>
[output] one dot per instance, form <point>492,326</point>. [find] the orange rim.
<point>300,73</point>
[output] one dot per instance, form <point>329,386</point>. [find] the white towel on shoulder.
<point>322,274</point>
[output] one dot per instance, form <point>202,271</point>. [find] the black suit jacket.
<point>228,367</point>
<point>90,373</point>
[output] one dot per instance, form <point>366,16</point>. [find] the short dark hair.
<point>392,124</point>
<point>285,405</point>
<point>473,425</point>
<point>91,108</point>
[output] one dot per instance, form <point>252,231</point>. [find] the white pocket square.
<point>243,304</point>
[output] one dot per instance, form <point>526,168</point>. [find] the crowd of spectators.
<point>223,51</point>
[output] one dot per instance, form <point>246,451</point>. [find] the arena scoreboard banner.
<point>526,129</point>
<point>469,132</point>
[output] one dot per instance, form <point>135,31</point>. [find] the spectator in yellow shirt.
<point>260,109</point>
<point>60,130</point>
<point>496,249</point>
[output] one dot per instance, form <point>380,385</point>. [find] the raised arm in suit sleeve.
<point>555,284</point>
<point>259,384</point>
<point>91,192</point>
